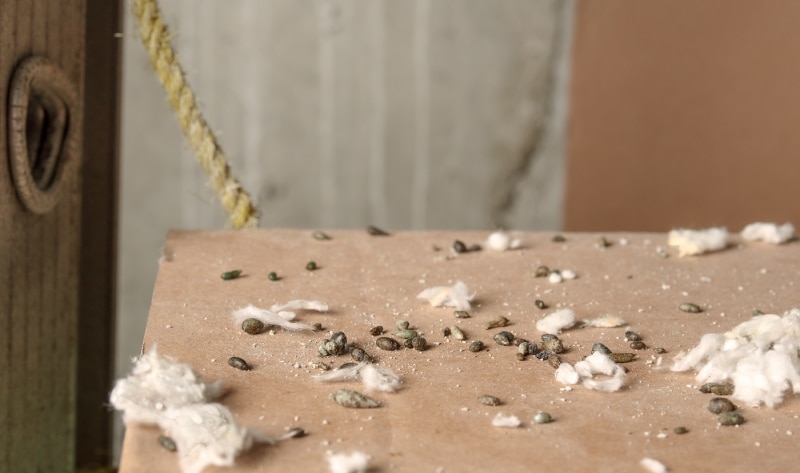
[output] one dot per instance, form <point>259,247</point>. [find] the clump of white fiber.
<point>566,374</point>
<point>278,315</point>
<point>171,395</point>
<point>605,321</point>
<point>456,296</point>
<point>501,241</point>
<point>695,242</point>
<point>205,434</point>
<point>156,384</point>
<point>768,232</point>
<point>509,422</point>
<point>595,364</point>
<point>760,357</point>
<point>373,378</point>
<point>354,462</point>
<point>653,466</point>
<point>600,363</point>
<point>555,322</point>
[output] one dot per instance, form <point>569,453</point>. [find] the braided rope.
<point>156,40</point>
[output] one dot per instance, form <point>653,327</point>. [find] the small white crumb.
<point>456,296</point>
<point>568,274</point>
<point>623,242</point>
<point>510,422</point>
<point>501,241</point>
<point>555,278</point>
<point>662,435</point>
<point>555,322</point>
<point>768,232</point>
<point>355,462</point>
<point>695,242</point>
<point>653,466</point>
<point>605,321</point>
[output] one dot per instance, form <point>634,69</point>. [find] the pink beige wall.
<point>684,113</point>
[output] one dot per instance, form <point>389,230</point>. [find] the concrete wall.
<point>412,114</point>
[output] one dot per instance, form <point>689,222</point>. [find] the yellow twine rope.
<point>156,40</point>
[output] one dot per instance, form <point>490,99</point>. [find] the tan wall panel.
<point>683,113</point>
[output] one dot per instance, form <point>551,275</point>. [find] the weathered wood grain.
<point>39,262</point>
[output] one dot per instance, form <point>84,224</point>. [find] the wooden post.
<point>54,264</point>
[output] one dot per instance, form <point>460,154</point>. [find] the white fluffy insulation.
<point>768,232</point>
<point>171,395</point>
<point>279,315</point>
<point>696,242</point>
<point>354,462</point>
<point>556,321</point>
<point>373,378</point>
<point>760,357</point>
<point>595,364</point>
<point>456,296</point>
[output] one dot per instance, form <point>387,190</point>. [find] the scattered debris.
<point>691,308</point>
<point>605,321</point>
<point>355,462</point>
<point>653,466</point>
<point>228,275</point>
<point>768,232</point>
<point>555,322</point>
<point>495,323</point>
<point>459,247</point>
<point>457,333</point>
<point>720,389</point>
<point>510,422</point>
<point>542,417</point>
<point>488,400</point>
<point>239,363</point>
<point>279,315</point>
<point>456,296</point>
<point>696,242</point>
<point>253,326</point>
<point>759,356</point>
<point>501,241</point>
<point>387,344</point>
<point>375,231</point>
<point>167,443</point>
<point>373,378</point>
<point>720,404</point>
<point>596,363</point>
<point>171,395</point>
<point>730,418</point>
<point>353,399</point>
<point>320,235</point>
<point>376,330</point>
<point>504,338</point>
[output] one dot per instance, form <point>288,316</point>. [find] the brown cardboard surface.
<point>682,113</point>
<point>435,423</point>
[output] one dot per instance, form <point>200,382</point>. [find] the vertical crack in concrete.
<point>545,136</point>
